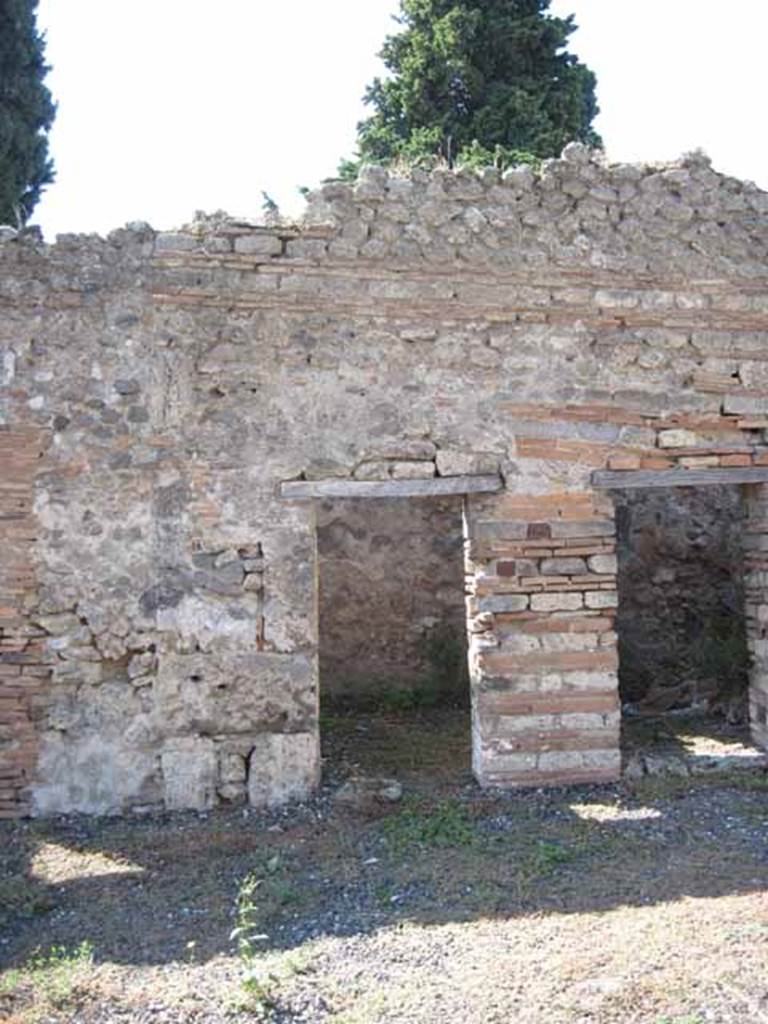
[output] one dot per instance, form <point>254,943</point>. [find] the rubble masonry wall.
<point>158,610</point>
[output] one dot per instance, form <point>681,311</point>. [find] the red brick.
<point>624,462</point>
<point>598,702</point>
<point>562,739</point>
<point>549,660</point>
<point>576,777</point>
<point>735,460</point>
<point>583,624</point>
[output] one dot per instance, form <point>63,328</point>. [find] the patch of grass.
<point>546,857</point>
<point>285,895</point>
<point>540,861</point>
<point>48,981</point>
<point>420,823</point>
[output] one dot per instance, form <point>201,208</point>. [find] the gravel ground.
<point>604,905</point>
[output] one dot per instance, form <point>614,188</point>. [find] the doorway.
<point>392,639</point>
<point>683,653</point>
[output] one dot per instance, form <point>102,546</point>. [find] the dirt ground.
<point>642,902</point>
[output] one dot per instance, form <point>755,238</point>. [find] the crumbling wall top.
<point>578,212</point>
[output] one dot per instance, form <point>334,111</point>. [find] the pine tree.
<point>26,112</point>
<point>478,81</point>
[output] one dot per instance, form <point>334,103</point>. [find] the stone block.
<point>562,566</point>
<point>283,767</point>
<point>492,761</point>
<point>558,602</point>
<point>232,768</point>
<point>93,773</point>
<point>59,625</point>
<point>606,564</point>
<point>412,470</point>
<point>678,438</point>
<point>455,463</point>
<point>745,405</point>
<point>189,773</point>
<point>503,603</point>
<point>175,242</point>
<point>375,470</point>
<point>616,298</point>
<point>259,245</point>
<point>566,760</point>
<point>601,599</point>
<point>589,528</point>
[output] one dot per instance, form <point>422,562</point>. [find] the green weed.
<point>547,857</point>
<point>442,824</point>
<point>50,980</point>
<point>248,942</point>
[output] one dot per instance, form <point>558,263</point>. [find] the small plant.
<point>541,861</point>
<point>50,978</point>
<point>247,940</point>
<point>444,824</point>
<point>547,857</point>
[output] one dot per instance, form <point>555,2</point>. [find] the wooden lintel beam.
<point>420,488</point>
<point>678,477</point>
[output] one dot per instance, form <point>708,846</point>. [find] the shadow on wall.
<point>682,636</point>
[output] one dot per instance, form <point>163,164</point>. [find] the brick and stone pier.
<point>541,605</point>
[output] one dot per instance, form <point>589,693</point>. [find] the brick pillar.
<point>541,574</point>
<point>23,674</point>
<point>756,607</point>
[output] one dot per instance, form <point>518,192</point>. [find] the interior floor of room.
<point>424,749</point>
<point>689,742</point>
<point>429,749</point>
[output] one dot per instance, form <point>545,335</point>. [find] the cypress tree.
<point>477,81</point>
<point>26,112</point>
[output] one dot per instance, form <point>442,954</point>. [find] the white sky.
<point>172,106</point>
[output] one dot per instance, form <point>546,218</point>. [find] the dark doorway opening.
<point>394,690</point>
<point>683,658</point>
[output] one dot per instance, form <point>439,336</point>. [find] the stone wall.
<point>510,338</point>
<point>392,615</point>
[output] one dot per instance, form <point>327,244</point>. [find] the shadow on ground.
<point>141,891</point>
